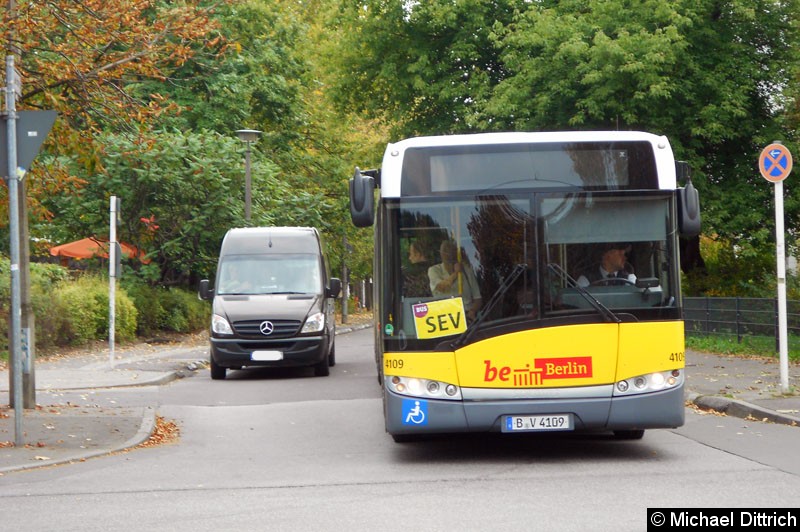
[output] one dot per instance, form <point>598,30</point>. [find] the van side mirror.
<point>335,286</point>
<point>204,292</point>
<point>362,199</point>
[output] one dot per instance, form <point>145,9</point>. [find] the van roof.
<point>257,240</point>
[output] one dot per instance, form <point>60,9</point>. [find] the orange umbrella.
<point>93,247</point>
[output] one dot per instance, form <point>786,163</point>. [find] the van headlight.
<point>314,323</point>
<point>220,325</point>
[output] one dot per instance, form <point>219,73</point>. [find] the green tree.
<point>179,193</point>
<point>80,57</point>
<point>707,75</point>
<point>712,76</point>
<point>420,66</point>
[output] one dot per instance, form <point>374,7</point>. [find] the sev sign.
<point>435,319</point>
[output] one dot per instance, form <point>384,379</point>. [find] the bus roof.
<point>394,155</point>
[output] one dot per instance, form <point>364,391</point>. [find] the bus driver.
<point>612,266</point>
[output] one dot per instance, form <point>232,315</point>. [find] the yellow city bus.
<point>506,327</point>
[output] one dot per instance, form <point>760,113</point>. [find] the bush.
<point>167,309</point>
<point>80,313</point>
<point>74,310</point>
<point>150,310</point>
<point>184,312</point>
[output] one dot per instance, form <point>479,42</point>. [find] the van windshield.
<point>269,274</point>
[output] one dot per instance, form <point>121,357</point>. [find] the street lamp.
<point>248,136</point>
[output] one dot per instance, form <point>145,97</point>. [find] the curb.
<point>145,431</point>
<point>741,409</point>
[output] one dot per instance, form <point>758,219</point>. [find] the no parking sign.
<point>775,162</point>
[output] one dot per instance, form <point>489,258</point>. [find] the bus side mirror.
<point>688,203</point>
<point>204,292</point>
<point>334,288</point>
<point>362,199</point>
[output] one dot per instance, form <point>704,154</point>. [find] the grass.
<point>749,346</point>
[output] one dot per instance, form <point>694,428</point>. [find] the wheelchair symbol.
<point>416,414</point>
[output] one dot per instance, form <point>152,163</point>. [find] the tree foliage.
<point>83,58</point>
<point>180,193</point>
<point>146,91</point>
<point>715,77</point>
<point>150,92</point>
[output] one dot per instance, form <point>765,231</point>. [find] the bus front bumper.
<point>415,415</point>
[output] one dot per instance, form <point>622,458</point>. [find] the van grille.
<point>252,328</point>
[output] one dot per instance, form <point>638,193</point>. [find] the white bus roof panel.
<point>393,157</point>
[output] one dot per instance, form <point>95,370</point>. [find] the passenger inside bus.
<point>612,267</point>
<point>415,275</point>
<point>455,277</point>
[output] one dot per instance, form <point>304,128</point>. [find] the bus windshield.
<point>523,260</point>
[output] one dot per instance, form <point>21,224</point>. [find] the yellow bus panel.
<point>439,366</point>
<point>577,355</point>
<point>573,355</point>
<point>648,347</point>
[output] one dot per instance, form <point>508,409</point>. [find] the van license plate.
<point>266,356</point>
<point>537,423</point>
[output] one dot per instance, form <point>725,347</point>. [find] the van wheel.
<point>629,434</point>
<point>332,356</point>
<point>217,371</point>
<point>321,369</point>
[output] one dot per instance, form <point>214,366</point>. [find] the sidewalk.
<point>59,431</point>
<point>743,387</point>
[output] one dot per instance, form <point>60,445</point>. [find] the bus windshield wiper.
<point>498,294</point>
<point>604,311</point>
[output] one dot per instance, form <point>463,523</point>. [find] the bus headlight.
<point>423,388</point>
<point>651,382</point>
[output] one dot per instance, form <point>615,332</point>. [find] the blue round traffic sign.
<point>775,162</point>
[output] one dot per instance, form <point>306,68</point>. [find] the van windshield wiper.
<point>603,310</point>
<point>498,294</point>
<point>283,293</point>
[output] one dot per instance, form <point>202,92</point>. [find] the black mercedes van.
<point>273,301</point>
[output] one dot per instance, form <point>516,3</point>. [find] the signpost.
<point>775,164</point>
<point>16,155</point>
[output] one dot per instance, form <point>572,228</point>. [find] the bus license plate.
<point>537,423</point>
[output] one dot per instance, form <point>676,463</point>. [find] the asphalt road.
<point>289,451</point>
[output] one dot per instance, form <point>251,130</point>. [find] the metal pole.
<point>112,278</point>
<point>13,215</point>
<point>781,264</point>
<point>247,192</point>
<point>345,285</point>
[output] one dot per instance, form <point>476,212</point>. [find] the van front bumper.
<point>237,353</point>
